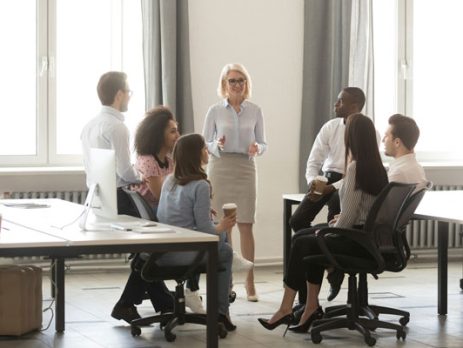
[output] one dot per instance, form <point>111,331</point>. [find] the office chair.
<point>381,221</point>
<point>156,268</point>
<point>396,253</point>
<point>139,203</point>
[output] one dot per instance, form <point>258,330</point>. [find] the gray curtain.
<point>361,63</point>
<point>166,56</point>
<point>338,52</point>
<point>325,68</point>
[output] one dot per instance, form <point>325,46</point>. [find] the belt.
<point>333,176</point>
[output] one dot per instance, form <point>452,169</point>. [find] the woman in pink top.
<point>154,141</point>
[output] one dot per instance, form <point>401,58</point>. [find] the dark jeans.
<point>136,287</point>
<point>308,210</point>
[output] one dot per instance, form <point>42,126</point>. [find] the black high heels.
<point>304,327</point>
<point>286,320</point>
<point>225,320</point>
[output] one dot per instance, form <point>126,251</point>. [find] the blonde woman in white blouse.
<point>234,133</point>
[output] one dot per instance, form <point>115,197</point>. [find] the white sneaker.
<point>240,263</point>
<point>193,301</point>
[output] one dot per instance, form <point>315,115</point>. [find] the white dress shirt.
<point>406,169</point>
<point>328,151</point>
<point>240,129</point>
<point>108,131</point>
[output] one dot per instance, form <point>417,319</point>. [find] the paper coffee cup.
<point>229,208</point>
<point>320,183</point>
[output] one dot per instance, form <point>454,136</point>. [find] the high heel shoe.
<point>286,320</point>
<point>304,327</point>
<point>225,320</point>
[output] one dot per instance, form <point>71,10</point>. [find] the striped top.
<point>355,204</point>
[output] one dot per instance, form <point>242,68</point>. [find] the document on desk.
<point>26,205</point>
<point>144,227</point>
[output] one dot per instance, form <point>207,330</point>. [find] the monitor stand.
<point>89,221</point>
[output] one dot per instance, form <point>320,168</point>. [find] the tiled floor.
<point>91,295</point>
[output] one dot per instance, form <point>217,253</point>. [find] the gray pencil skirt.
<point>234,179</point>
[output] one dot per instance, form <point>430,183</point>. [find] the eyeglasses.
<point>129,92</point>
<point>234,82</point>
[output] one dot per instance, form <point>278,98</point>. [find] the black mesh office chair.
<point>141,206</point>
<point>155,269</point>
<point>381,221</point>
<point>396,253</point>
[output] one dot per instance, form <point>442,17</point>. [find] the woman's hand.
<point>334,220</point>
<point>221,142</point>
<point>253,149</point>
<point>226,223</point>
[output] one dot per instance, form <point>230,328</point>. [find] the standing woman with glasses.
<point>234,133</point>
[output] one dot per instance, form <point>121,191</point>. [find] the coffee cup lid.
<point>229,206</point>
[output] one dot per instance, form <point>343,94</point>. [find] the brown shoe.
<point>126,313</point>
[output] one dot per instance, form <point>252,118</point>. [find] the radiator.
<point>72,196</point>
<point>422,235</point>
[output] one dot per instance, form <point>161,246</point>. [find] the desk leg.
<point>53,277</point>
<point>442,266</point>
<point>212,296</point>
<point>287,205</point>
<point>59,294</point>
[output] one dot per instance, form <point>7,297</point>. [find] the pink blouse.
<point>147,166</point>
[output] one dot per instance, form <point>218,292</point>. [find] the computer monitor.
<point>101,202</point>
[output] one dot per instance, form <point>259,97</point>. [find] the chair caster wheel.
<point>170,337</point>
<point>404,321</point>
<point>316,337</point>
<point>401,335</point>
<point>370,341</point>
<point>222,331</point>
<point>135,330</point>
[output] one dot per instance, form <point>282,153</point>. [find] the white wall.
<point>265,36</point>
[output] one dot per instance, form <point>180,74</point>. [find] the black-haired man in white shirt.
<point>328,155</point>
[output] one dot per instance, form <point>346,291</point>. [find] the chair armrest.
<point>358,236</point>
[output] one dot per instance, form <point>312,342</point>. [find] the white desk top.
<point>441,205</point>
<point>13,236</point>
<point>48,220</point>
<point>436,205</point>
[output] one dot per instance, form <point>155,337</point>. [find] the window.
<point>417,62</point>
<point>57,52</point>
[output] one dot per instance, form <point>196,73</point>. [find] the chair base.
<point>354,318</point>
<point>168,321</point>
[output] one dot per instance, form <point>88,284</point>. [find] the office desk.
<point>441,206</point>
<point>31,233</point>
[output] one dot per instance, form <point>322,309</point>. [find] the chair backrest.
<point>398,260</point>
<point>143,208</point>
<point>385,212</point>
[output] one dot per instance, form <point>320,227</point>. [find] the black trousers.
<point>308,210</point>
<point>306,244</point>
<point>136,287</point>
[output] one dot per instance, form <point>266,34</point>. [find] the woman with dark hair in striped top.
<point>364,179</point>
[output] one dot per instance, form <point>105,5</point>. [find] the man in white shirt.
<point>327,154</point>
<point>399,142</point>
<point>108,131</point>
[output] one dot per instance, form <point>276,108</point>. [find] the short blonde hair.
<point>221,89</point>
